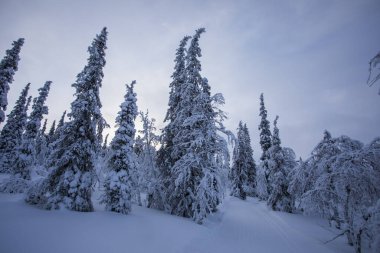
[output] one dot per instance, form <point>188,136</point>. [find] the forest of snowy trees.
<point>187,169</point>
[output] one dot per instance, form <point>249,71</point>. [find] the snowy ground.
<point>239,226</point>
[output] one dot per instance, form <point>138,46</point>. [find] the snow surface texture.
<point>239,226</point>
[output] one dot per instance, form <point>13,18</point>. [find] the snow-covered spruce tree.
<point>61,120</point>
<point>243,170</point>
<point>26,151</point>
<point>265,143</point>
<point>12,131</point>
<point>239,170</point>
<point>196,173</point>
<point>264,128</point>
<point>72,172</point>
<point>165,158</point>
<point>8,67</point>
<point>147,168</point>
<point>41,145</point>
<point>50,134</point>
<point>279,198</point>
<point>250,186</point>
<point>53,152</point>
<point>120,183</point>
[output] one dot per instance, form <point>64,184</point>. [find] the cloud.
<point>310,58</point>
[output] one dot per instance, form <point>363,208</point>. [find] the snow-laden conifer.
<point>199,149</point>
<point>54,136</point>
<point>243,170</point>
<point>51,131</point>
<point>262,180</point>
<point>279,198</point>
<point>165,156</point>
<point>12,131</point>
<point>250,186</point>
<point>265,134</point>
<point>120,184</point>
<point>26,151</point>
<point>239,169</point>
<point>8,67</point>
<point>72,172</point>
<point>61,120</point>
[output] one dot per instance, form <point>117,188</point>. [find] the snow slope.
<point>239,226</point>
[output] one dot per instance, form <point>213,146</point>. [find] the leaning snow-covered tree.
<point>355,175</point>
<point>8,67</point>
<point>165,158</point>
<point>201,152</point>
<point>297,181</point>
<point>25,158</point>
<point>25,153</point>
<point>51,132</point>
<point>72,173</point>
<point>120,184</point>
<point>13,129</point>
<point>342,184</point>
<point>320,196</point>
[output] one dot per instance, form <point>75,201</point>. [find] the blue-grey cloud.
<point>310,58</point>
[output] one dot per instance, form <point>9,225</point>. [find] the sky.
<point>309,58</point>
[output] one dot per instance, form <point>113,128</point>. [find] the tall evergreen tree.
<point>279,198</point>
<point>44,126</point>
<point>243,171</point>
<point>72,173</point>
<point>250,186</point>
<point>265,134</point>
<point>62,120</point>
<point>26,151</point>
<point>54,136</point>
<point>12,131</point>
<point>8,67</point>
<point>262,180</point>
<point>238,173</point>
<point>51,131</point>
<point>196,174</point>
<point>120,184</point>
<point>165,158</point>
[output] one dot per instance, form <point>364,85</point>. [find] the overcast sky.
<point>309,58</point>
